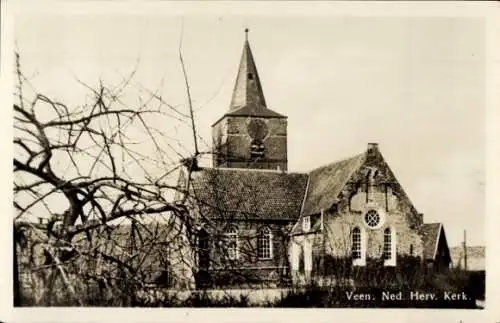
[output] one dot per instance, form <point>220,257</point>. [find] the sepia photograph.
<point>251,160</point>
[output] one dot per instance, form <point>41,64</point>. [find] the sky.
<point>414,85</point>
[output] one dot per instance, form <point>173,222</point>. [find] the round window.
<point>372,218</point>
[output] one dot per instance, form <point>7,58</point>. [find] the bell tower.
<point>250,135</point>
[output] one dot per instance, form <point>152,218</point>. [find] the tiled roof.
<point>326,182</point>
<point>248,193</point>
<point>430,237</point>
<point>273,194</point>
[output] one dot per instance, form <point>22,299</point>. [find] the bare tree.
<point>85,170</point>
<point>82,169</point>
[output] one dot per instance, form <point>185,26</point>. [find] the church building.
<point>251,220</point>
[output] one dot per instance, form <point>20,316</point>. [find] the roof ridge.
<point>264,194</point>
<point>239,108</point>
<point>327,182</point>
<point>440,230</point>
<point>249,170</point>
<point>339,161</point>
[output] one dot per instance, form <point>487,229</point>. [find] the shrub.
<point>205,299</point>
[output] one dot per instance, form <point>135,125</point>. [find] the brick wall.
<point>340,223</point>
<point>232,144</point>
<point>247,244</point>
<point>374,186</point>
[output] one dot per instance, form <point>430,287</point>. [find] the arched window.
<point>356,243</point>
<point>387,244</point>
<point>232,243</point>
<point>389,253</point>
<point>257,149</point>
<point>265,244</point>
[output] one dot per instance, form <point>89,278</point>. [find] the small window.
<point>372,218</point>
<point>356,243</point>
<point>250,76</point>
<point>411,250</point>
<point>265,244</point>
<point>306,223</point>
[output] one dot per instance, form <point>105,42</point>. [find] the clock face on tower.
<point>257,129</point>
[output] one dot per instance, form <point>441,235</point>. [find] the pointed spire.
<point>247,90</point>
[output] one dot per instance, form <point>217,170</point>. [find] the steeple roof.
<point>248,97</point>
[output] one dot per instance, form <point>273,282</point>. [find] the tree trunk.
<point>17,287</point>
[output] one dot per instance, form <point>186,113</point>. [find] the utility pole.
<point>465,249</point>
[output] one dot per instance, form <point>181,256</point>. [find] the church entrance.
<point>203,276</point>
<point>203,250</point>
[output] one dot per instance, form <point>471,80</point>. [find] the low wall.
<point>255,297</point>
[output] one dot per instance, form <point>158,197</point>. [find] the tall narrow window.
<point>387,244</point>
<point>265,244</point>
<point>356,243</point>
<point>232,243</point>
<point>411,250</point>
<point>390,247</point>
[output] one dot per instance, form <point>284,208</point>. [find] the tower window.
<point>257,149</point>
<point>250,76</point>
